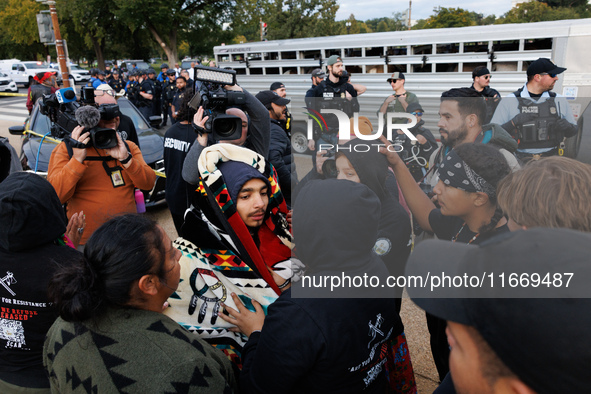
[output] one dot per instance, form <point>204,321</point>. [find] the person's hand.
<point>402,98</point>
<point>233,87</point>
<point>79,135</point>
<point>390,154</point>
<point>320,159</point>
<point>522,118</point>
<point>245,321</point>
<point>390,98</point>
<point>348,95</point>
<point>289,215</point>
<point>199,121</point>
<point>311,144</point>
<point>119,152</point>
<point>75,227</point>
<point>422,140</point>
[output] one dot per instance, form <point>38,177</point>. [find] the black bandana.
<point>454,172</point>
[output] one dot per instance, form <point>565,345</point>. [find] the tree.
<point>397,22</point>
<point>535,12</point>
<point>448,17</point>
<point>565,3</point>
<point>168,21</point>
<point>19,35</point>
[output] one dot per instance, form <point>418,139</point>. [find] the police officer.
<point>116,82</point>
<point>157,100</point>
<point>132,90</point>
<point>539,119</point>
<point>145,94</point>
<point>163,76</point>
<point>168,95</point>
<point>481,83</point>
<point>181,90</point>
<point>334,93</point>
<point>279,89</point>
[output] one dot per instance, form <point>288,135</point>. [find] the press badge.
<point>117,178</point>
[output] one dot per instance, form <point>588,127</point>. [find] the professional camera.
<point>215,100</point>
<point>65,114</point>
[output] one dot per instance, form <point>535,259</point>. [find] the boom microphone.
<point>88,116</point>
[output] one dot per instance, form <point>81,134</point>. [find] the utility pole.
<point>409,8</point>
<point>59,43</point>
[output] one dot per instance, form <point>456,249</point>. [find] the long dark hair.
<point>118,254</point>
<point>490,164</point>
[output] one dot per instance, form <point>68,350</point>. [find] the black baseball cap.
<point>164,65</point>
<point>414,107</point>
<point>542,334</point>
<point>170,71</point>
<point>267,97</point>
<point>544,66</point>
<point>276,85</point>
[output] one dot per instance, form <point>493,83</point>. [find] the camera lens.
<point>225,127</point>
<point>104,138</point>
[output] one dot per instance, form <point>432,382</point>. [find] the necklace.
<point>459,232</point>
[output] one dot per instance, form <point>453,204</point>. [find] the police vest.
<point>541,131</point>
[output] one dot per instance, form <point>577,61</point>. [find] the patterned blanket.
<point>219,256</point>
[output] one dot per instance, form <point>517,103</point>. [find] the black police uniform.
<point>167,96</point>
<point>144,104</point>
<point>116,83</point>
<point>157,100</point>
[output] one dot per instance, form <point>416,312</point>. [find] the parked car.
<point>151,145</point>
<point>24,72</point>
<point>78,73</point>
<point>7,84</point>
<point>141,65</point>
<point>186,64</point>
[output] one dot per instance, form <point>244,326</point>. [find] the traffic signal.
<point>45,28</point>
<point>264,29</point>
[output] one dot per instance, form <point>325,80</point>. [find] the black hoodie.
<point>31,220</point>
<point>322,345</point>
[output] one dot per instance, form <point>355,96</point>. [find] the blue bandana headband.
<point>456,173</point>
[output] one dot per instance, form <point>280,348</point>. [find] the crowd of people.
<point>228,306</point>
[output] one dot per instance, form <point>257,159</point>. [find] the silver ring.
<point>80,230</point>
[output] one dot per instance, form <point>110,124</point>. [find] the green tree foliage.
<point>536,12</point>
<point>448,17</point>
<point>397,22</point>
<point>19,35</point>
<point>565,3</point>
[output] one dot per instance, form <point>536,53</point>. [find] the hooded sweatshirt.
<point>322,344</point>
<point>31,220</point>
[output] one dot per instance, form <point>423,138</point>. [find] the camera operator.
<point>256,132</point>
<point>103,95</point>
<point>100,182</point>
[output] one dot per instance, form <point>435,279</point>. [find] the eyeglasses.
<point>487,77</point>
<point>417,113</point>
<point>103,92</point>
<point>552,75</point>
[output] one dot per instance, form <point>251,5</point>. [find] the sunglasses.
<point>417,113</point>
<point>487,77</point>
<point>552,75</point>
<point>392,80</point>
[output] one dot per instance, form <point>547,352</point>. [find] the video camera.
<point>65,113</point>
<point>215,100</point>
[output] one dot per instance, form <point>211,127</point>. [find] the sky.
<point>421,9</point>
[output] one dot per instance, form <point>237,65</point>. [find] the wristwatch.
<point>127,159</point>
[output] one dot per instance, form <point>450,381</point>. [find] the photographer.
<point>114,119</point>
<point>100,182</point>
<point>256,132</point>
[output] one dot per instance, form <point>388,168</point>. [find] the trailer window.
<point>329,52</point>
<point>392,68</point>
<point>469,67</point>
<point>255,56</point>
<point>236,57</point>
<point>505,66</point>
<point>397,51</point>
<point>256,71</point>
<point>446,67</point>
<point>354,69</point>
<point>374,69</point>
<point>421,49</point>
<point>288,55</point>
<point>223,58</point>
<point>448,48</point>
<point>314,54</point>
<point>290,70</point>
<point>419,68</point>
<point>537,44</point>
<point>507,45</point>
<point>240,71</point>
<point>374,51</point>
<point>476,46</point>
<point>271,55</point>
<point>272,70</point>
<point>352,52</point>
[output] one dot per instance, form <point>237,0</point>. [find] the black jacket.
<point>177,141</point>
<point>322,345</point>
<point>282,159</point>
<point>31,220</point>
